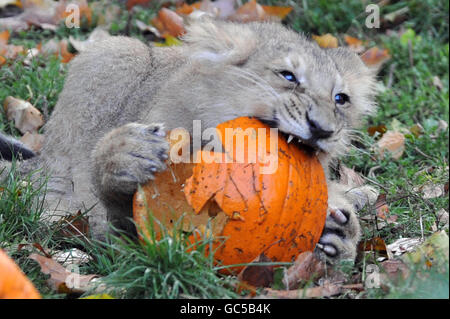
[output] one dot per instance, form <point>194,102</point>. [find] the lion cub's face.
<point>314,96</point>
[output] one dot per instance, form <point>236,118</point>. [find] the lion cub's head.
<point>313,95</point>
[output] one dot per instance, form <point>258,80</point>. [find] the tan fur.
<point>106,133</point>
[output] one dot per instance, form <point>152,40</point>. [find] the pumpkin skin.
<point>280,215</point>
<point>13,283</point>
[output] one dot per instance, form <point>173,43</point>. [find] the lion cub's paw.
<point>130,155</point>
<point>340,235</point>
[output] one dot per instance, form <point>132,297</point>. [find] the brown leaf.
<point>72,256</point>
<point>375,56</point>
<point>251,11</point>
<point>403,245</point>
<point>258,276</point>
<point>66,56</point>
<point>280,12</point>
<point>186,9</point>
<point>354,44</point>
<point>350,177</point>
<point>416,129</point>
<point>61,279</point>
<point>393,142</point>
<point>74,226</point>
<point>314,292</point>
<point>305,268</point>
<point>131,3</point>
<point>375,244</point>
<point>431,190</point>
<point>26,117</point>
<point>169,22</point>
<point>382,209</point>
<point>379,128</point>
<point>326,40</point>
<point>33,140</point>
<point>8,51</point>
<point>35,245</point>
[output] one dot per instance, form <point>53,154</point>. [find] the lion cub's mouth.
<point>309,146</point>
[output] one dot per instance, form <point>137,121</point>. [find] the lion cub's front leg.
<point>123,158</point>
<point>342,230</point>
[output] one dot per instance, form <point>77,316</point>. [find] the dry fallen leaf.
<point>314,292</point>
<point>382,209</point>
<point>391,141</point>
<point>251,11</point>
<point>381,129</point>
<point>375,244</point>
<point>74,226</point>
<point>305,268</point>
<point>66,56</point>
<point>403,245</point>
<point>417,129</point>
<point>8,51</point>
<point>187,9</point>
<point>72,256</point>
<point>26,117</point>
<point>33,140</point>
<point>280,12</point>
<point>131,3</point>
<point>326,40</point>
<point>169,22</point>
<point>432,191</point>
<point>61,279</point>
<point>375,57</point>
<point>354,44</point>
<point>349,177</point>
<point>258,275</point>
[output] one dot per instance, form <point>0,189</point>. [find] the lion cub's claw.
<point>130,155</point>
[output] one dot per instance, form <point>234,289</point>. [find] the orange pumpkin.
<point>280,214</point>
<point>13,283</point>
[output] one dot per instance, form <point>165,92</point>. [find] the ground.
<point>414,90</point>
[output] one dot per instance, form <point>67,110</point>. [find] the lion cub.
<point>107,132</point>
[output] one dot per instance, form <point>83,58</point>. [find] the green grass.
<point>164,269</point>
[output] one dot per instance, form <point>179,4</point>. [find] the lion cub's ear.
<point>219,42</point>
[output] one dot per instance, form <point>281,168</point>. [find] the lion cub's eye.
<point>289,76</point>
<point>341,98</point>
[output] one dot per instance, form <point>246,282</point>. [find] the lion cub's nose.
<point>317,131</point>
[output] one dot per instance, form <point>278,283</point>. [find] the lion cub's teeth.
<point>300,140</point>
<point>290,138</point>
